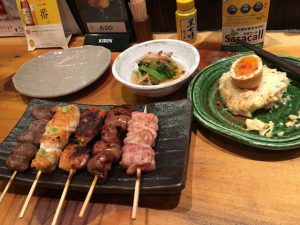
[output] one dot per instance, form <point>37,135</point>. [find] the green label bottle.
<point>186,20</point>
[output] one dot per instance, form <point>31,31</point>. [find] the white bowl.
<point>184,53</point>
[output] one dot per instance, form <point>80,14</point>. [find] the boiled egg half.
<point>247,71</point>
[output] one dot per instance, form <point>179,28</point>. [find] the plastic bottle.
<point>186,20</point>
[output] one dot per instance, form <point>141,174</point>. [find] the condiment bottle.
<point>186,20</point>
<point>26,13</point>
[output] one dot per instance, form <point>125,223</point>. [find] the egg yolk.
<point>246,66</point>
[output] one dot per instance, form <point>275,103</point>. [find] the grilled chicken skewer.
<point>22,153</point>
<point>89,125</point>
<point>108,150</point>
<point>75,156</point>
<point>55,137</point>
<point>138,154</point>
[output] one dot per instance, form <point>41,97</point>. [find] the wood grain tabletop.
<point>227,182</point>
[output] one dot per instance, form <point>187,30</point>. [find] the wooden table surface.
<point>228,183</point>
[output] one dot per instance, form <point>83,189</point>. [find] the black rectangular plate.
<point>172,153</point>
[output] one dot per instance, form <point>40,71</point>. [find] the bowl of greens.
<point>156,68</point>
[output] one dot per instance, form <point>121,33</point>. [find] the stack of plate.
<point>210,111</point>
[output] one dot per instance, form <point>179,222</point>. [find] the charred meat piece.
<point>118,121</point>
<point>16,162</point>
<point>23,152</point>
<point>41,112</point>
<point>138,156</point>
<point>74,157</point>
<point>120,110</point>
<point>108,150</point>
<point>38,125</point>
<point>100,164</point>
<point>109,134</point>
<point>118,117</point>
<point>46,159</point>
<point>34,132</point>
<point>113,148</point>
<point>24,149</point>
<point>115,124</point>
<point>27,137</point>
<point>89,125</point>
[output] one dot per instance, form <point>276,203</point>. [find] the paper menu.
<point>42,24</point>
<point>10,22</point>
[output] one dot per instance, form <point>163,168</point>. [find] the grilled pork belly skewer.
<point>54,139</point>
<point>75,156</point>
<point>22,153</point>
<point>138,154</point>
<point>108,150</point>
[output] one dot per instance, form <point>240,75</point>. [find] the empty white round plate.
<point>61,72</point>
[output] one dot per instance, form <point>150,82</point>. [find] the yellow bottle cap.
<point>184,5</point>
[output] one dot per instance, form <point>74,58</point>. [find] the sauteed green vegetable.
<point>155,68</point>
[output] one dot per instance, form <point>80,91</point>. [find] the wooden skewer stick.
<point>8,185</point>
<point>137,187</point>
<point>88,196</point>
<point>63,196</point>
<point>136,193</point>
<point>30,193</point>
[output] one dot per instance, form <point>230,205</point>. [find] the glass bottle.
<point>26,13</point>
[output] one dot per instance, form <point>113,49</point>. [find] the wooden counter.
<point>228,183</point>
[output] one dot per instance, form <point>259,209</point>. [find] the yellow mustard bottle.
<point>186,20</point>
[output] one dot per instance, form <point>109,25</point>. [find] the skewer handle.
<point>8,185</point>
<point>63,196</point>
<point>30,193</point>
<point>136,193</point>
<point>88,196</point>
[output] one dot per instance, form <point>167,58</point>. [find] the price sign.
<point>106,27</point>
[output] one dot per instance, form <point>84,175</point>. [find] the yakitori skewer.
<point>136,193</point>
<point>75,156</point>
<point>24,151</point>
<point>88,196</point>
<point>108,150</point>
<point>138,154</point>
<point>8,185</point>
<point>37,177</point>
<point>63,196</point>
<point>55,137</point>
<point>137,186</point>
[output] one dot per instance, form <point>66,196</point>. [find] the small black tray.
<point>172,153</point>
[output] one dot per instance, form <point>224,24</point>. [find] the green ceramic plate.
<point>211,112</point>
